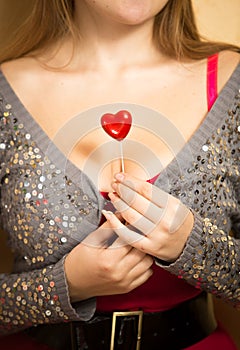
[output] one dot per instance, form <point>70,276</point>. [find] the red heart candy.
<point>117,125</point>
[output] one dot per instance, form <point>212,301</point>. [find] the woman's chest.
<point>167,105</point>
<point>163,120</point>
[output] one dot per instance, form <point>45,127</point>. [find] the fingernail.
<point>113,197</point>
<point>110,194</point>
<point>119,176</point>
<point>108,214</point>
<point>114,185</point>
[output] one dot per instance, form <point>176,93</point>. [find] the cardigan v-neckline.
<point>189,150</point>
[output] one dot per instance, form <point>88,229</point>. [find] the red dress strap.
<point>212,68</point>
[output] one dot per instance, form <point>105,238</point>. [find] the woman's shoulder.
<point>19,63</point>
<point>21,69</point>
<point>23,75</point>
<point>227,63</point>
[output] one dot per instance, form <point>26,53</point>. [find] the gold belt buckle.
<point>123,314</point>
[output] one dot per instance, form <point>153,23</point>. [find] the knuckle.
<point>130,217</point>
<point>165,225</point>
<point>117,277</point>
<point>145,189</point>
<point>106,266</point>
<point>149,260</point>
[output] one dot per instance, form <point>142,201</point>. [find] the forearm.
<point>38,297</point>
<point>210,261</point>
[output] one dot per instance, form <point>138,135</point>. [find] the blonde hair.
<point>175,32</point>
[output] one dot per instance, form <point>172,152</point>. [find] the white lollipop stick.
<point>122,161</point>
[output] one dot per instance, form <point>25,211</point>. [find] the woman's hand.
<point>95,268</point>
<point>163,221</point>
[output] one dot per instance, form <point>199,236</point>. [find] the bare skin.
<point>108,66</point>
<point>94,271</point>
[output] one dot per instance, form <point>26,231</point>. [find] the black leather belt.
<point>174,329</point>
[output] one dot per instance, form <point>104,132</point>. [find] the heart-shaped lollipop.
<point>117,125</point>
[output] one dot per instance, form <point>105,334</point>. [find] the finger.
<point>178,218</point>
<point>129,236</point>
<point>142,265</point>
<point>101,237</point>
<point>141,279</point>
<point>132,216</point>
<point>118,243</point>
<point>135,200</point>
<point>145,189</point>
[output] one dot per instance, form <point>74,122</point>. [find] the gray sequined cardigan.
<point>47,206</point>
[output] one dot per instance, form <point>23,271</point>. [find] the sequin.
<point>205,148</point>
<point>42,178</point>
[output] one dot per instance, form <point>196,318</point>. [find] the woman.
<point>169,245</point>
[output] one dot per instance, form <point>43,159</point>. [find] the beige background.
<point>217,19</point>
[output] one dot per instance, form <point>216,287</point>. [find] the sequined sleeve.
<point>38,297</point>
<point>211,258</point>
<point>36,292</point>
<point>211,262</point>
<point>3,135</point>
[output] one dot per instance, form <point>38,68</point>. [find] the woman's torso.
<point>54,103</point>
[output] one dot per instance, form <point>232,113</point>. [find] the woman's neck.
<point>107,44</point>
